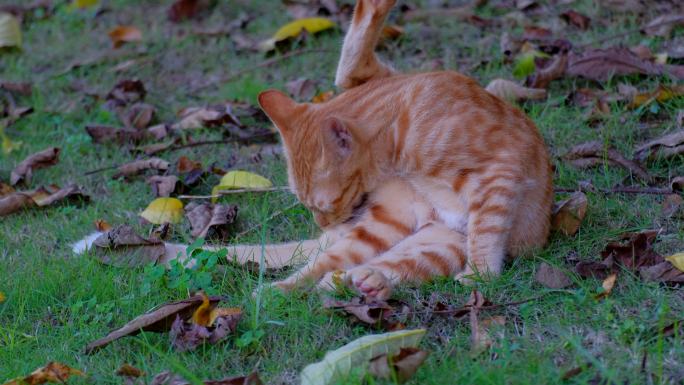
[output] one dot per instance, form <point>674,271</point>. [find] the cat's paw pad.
<point>370,282</point>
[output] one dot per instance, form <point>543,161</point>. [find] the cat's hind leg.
<point>358,61</point>
<point>434,250</point>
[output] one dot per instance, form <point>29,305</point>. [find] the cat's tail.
<point>275,256</point>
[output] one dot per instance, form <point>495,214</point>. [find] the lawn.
<point>57,302</point>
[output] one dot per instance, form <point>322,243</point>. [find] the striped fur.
<point>456,179</point>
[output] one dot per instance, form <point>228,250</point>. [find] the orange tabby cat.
<point>410,176</point>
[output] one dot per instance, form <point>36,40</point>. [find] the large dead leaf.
<point>124,34</point>
<point>511,91</point>
<point>552,277</point>
<point>42,159</point>
<point>54,372</point>
<point>40,197</point>
<point>663,147</point>
<point>139,166</point>
<point>206,216</point>
<point>109,134</point>
<point>158,321</point>
<point>568,214</point>
<point>138,116</point>
<point>379,314</point>
<point>355,354</point>
<point>594,153</point>
<point>663,25</point>
<point>400,366</point>
<point>633,251</point>
<point>168,378</point>
<point>601,64</point>
<point>123,247</point>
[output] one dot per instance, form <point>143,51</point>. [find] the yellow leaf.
<point>8,145</point>
<point>206,314</point>
<point>323,97</point>
<point>241,179</point>
<point>202,315</point>
<point>163,210</point>
<point>661,94</point>
<point>677,260</point>
<point>10,33</point>
<point>84,3</point>
<point>607,285</point>
<point>293,29</point>
<point>124,34</point>
<point>52,372</point>
<point>2,297</point>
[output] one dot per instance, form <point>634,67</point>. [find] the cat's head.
<point>326,163</point>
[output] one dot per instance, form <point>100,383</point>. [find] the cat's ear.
<point>337,137</point>
<point>278,107</point>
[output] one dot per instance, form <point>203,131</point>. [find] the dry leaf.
<point>577,19</point>
<point>42,159</point>
<point>301,89</point>
<point>186,9</point>
<point>22,88</point>
<point>555,70</point>
<point>400,366</point>
<point>672,204</point>
<point>126,92</point>
<point>568,214</point>
<point>107,134</point>
<point>594,153</point>
<point>375,313</point>
<point>607,285</point>
<point>663,147</point>
<point>165,186</point>
<point>140,166</point>
<point>129,371</point>
<point>661,94</point>
<point>54,372</point>
<point>199,117</point>
<point>663,25</point>
<point>124,34</point>
<point>2,297</point>
<point>163,210</point>
<point>10,31</point>
<point>207,324</point>
<point>159,131</point>
<point>511,91</point>
<point>40,197</point>
<point>601,64</point>
<point>391,32</point>
<point>480,339</point>
<point>123,247</point>
<point>158,321</point>
<point>139,116</point>
<point>552,277</point>
<point>206,216</point>
<point>190,170</point>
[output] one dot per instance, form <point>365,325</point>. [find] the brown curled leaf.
<point>663,147</point>
<point>401,366</point>
<point>601,64</point>
<point>140,166</point>
<point>123,247</point>
<point>555,70</point>
<point>109,134</point>
<point>552,277</point>
<point>165,186</point>
<point>206,216</point>
<point>568,214</point>
<point>54,372</point>
<point>24,170</point>
<point>40,197</point>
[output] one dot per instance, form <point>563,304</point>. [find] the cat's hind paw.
<point>369,282</point>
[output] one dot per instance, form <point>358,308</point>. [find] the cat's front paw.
<point>370,282</point>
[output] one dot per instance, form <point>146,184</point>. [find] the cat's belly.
<point>449,207</point>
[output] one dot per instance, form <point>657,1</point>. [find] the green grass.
<point>57,302</point>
